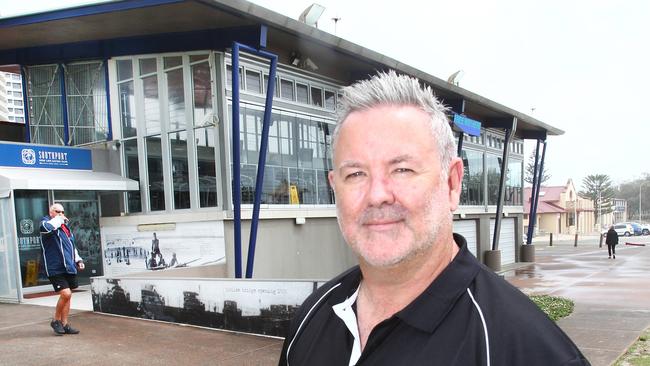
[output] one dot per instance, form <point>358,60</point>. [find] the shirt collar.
<point>431,307</point>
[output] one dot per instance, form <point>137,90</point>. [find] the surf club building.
<point>131,108</point>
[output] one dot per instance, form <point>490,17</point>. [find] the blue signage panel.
<point>467,125</point>
<point>36,156</point>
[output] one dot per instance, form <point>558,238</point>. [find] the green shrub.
<point>555,307</point>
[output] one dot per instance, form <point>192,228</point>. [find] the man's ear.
<point>454,182</point>
<point>330,177</point>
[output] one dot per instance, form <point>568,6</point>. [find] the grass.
<point>638,354</point>
<point>555,307</point>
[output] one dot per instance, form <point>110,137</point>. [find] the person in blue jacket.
<point>61,263</point>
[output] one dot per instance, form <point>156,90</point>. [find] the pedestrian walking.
<point>611,240</point>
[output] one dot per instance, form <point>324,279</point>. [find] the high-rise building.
<point>12,106</point>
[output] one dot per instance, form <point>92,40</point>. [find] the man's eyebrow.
<point>400,159</point>
<point>349,164</point>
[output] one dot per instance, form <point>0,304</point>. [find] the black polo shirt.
<point>467,315</point>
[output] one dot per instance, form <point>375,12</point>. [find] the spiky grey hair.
<point>389,88</point>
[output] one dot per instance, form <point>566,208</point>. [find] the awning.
<point>59,179</point>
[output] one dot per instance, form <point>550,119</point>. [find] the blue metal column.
<point>262,157</point>
<point>502,182</point>
<point>64,106</point>
<point>26,104</point>
<point>109,121</point>
<point>533,198</point>
<point>539,184</point>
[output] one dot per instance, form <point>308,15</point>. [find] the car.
<point>622,229</point>
<point>638,229</point>
<point>645,229</point>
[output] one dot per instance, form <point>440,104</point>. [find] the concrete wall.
<point>285,250</point>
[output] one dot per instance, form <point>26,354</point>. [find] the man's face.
<point>56,210</point>
<point>390,199</point>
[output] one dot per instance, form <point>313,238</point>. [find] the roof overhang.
<point>59,179</point>
<point>136,20</point>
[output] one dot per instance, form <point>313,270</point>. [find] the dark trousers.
<point>611,249</point>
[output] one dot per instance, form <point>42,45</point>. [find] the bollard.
<point>550,244</point>
<point>575,242</point>
<point>600,243</point>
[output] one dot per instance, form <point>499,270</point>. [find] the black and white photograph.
<point>187,245</point>
<point>259,307</point>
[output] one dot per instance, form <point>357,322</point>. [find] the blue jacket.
<point>59,252</point>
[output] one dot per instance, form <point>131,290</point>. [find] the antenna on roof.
<point>311,15</point>
<point>336,20</point>
<point>455,77</point>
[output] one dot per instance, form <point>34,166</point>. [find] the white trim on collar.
<point>345,311</point>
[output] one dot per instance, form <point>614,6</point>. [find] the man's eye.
<point>403,170</point>
<point>354,175</point>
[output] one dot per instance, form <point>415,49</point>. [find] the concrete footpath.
<point>612,298</point>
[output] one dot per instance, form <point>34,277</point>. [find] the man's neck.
<point>385,291</point>
<point>402,283</point>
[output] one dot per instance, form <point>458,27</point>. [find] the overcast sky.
<point>580,65</point>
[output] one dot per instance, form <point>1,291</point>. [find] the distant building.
<point>560,211</point>
<point>12,106</point>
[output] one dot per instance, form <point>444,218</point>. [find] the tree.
<point>596,185</point>
<point>530,170</point>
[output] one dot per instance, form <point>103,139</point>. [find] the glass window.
<point>302,93</point>
<point>17,85</point>
<point>286,91</point>
<point>253,81</point>
<point>30,206</point>
<point>127,109</point>
<point>196,58</point>
<point>18,110</point>
<point>180,169</point>
<point>207,172</point>
<point>493,166</point>
<point>155,173</point>
<point>202,92</point>
<point>176,99</point>
<point>151,104</point>
<point>297,158</point>
<point>20,119</point>
<point>514,190</point>
<point>472,188</point>
<point>330,102</point>
<point>86,100</point>
<point>18,102</point>
<point>43,83</point>
<point>147,66</point>
<point>229,77</point>
<point>276,92</point>
<point>17,94</point>
<point>317,96</point>
<point>132,172</point>
<point>124,70</point>
<point>173,61</point>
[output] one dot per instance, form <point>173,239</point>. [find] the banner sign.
<point>467,125</point>
<point>36,156</point>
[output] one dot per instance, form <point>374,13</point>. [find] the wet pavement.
<point>611,296</point>
<point>612,308</point>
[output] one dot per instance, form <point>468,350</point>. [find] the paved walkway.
<point>611,296</point>
<point>612,300</point>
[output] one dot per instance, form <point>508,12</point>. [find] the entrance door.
<point>82,209</point>
<point>9,285</point>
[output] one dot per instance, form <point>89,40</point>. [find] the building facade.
<point>156,108</point>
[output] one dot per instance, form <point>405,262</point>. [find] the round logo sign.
<point>26,226</point>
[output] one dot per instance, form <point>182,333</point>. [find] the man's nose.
<point>380,191</point>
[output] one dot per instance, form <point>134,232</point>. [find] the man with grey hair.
<point>418,296</point>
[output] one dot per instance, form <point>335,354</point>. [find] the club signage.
<point>37,156</point>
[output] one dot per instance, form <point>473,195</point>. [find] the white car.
<point>621,230</point>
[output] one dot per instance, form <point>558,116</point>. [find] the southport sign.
<point>38,156</point>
